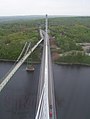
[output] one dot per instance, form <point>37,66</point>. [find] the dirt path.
<point>55,54</point>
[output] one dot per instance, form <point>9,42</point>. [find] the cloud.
<point>63,7</point>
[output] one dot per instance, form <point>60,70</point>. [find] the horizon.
<point>45,15</point>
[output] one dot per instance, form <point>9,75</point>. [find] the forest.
<point>67,31</point>
<point>13,36</point>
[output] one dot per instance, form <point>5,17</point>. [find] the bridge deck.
<point>46,101</point>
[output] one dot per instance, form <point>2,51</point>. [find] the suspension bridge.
<point>45,106</point>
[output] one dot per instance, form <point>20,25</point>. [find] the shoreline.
<point>38,62</point>
<point>71,64</point>
<point>13,61</point>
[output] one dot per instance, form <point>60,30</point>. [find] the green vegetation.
<point>67,32</point>
<point>75,59</point>
<point>13,36</point>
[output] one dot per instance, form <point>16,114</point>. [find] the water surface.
<point>72,92</point>
<point>18,98</point>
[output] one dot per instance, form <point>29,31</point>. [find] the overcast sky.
<point>42,7</point>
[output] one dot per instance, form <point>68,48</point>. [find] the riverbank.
<point>71,64</point>
<point>13,61</point>
<point>55,62</point>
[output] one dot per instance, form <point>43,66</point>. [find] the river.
<point>72,92</point>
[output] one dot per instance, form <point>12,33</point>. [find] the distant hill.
<point>27,17</point>
<point>14,18</point>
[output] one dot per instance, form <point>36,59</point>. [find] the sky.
<point>42,7</point>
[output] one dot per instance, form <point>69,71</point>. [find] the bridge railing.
<point>45,97</point>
